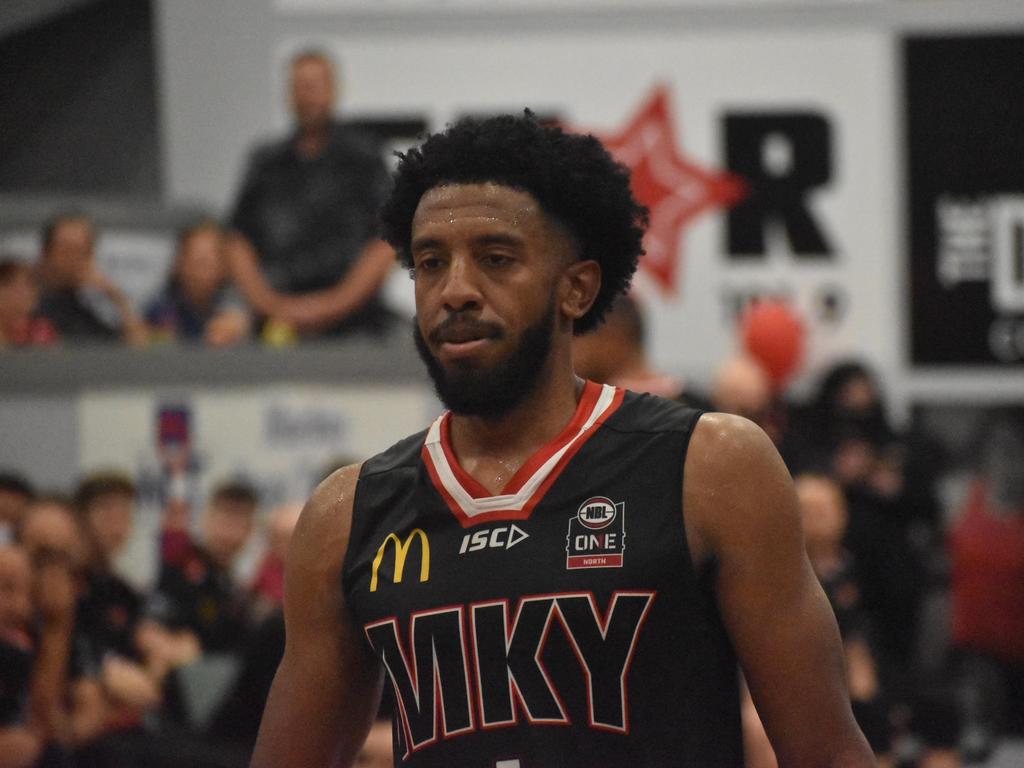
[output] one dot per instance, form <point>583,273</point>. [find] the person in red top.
<point>20,325</point>
<point>987,551</point>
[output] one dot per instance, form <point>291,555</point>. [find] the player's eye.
<point>496,259</point>
<point>426,264</point>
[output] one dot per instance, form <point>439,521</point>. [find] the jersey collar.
<point>470,501</point>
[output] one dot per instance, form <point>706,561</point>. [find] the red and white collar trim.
<point>471,502</point>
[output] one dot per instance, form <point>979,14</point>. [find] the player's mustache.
<point>458,328</point>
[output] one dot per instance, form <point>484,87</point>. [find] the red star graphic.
<point>674,189</point>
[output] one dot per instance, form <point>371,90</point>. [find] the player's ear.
<point>581,281</point>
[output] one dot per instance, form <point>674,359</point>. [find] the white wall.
<point>594,64</point>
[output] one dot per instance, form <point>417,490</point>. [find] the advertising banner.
<point>965,149</point>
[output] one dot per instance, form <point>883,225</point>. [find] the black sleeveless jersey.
<point>559,624</point>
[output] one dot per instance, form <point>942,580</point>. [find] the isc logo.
<point>502,537</point>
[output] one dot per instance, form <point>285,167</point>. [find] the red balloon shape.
<point>773,335</point>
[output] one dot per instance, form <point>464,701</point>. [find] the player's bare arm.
<point>327,688</point>
<point>741,512</point>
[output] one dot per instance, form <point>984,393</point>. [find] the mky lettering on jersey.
<point>482,658</point>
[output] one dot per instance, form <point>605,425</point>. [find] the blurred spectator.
<point>196,589</point>
<point>742,387</point>
<point>198,302</point>
<point>50,532</point>
<point>615,353</point>
<point>824,518</point>
<point>846,423</point>
<point>80,301</point>
<point>20,325</point>
<point>846,434</point>
<point>20,745</point>
<point>15,495</point>
<point>52,538</point>
<point>303,247</point>
<point>987,550</point>
<point>35,639</point>
<point>268,585</point>
<point>109,608</point>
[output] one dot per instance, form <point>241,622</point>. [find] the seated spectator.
<point>846,431</point>
<point>109,608</point>
<point>303,246</point>
<point>823,514</point>
<point>52,538</point>
<point>35,641</point>
<point>268,585</point>
<point>81,302</point>
<point>198,303</point>
<point>20,325</point>
<point>196,589</point>
<point>846,422</point>
<point>986,547</point>
<point>15,495</point>
<point>743,387</point>
<point>50,532</point>
<point>615,353</point>
<point>18,740</point>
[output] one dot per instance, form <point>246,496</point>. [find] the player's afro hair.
<point>572,176</point>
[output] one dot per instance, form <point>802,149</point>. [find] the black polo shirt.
<point>310,218</point>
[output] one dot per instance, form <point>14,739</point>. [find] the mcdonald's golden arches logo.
<point>401,553</point>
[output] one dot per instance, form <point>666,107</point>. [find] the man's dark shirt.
<point>193,592</point>
<point>73,318</point>
<point>16,659</point>
<point>108,613</point>
<point>309,219</point>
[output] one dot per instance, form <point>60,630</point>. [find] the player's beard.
<point>469,390</point>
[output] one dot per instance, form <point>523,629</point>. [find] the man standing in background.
<point>303,246</point>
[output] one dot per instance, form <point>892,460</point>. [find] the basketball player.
<point>557,573</point>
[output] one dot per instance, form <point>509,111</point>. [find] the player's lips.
<point>463,338</point>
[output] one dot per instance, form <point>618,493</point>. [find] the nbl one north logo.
<point>597,535</point>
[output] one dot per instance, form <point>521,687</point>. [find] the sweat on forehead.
<point>484,201</point>
<point>488,205</point>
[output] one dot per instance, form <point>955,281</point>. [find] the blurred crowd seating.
<point>929,599</point>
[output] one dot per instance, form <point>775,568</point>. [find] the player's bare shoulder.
<point>318,546</point>
<point>733,476</point>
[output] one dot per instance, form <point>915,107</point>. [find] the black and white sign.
<point>965,109</point>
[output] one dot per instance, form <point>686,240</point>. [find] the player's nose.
<point>461,290</point>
